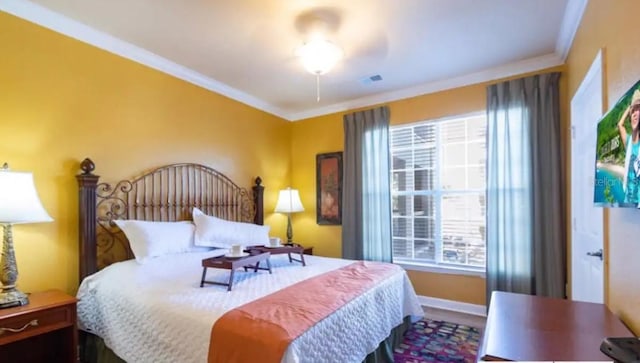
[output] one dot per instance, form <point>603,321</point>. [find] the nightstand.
<point>42,331</point>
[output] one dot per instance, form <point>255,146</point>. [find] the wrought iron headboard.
<point>167,193</point>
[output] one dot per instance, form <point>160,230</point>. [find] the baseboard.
<point>457,306</point>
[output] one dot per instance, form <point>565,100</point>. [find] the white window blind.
<point>438,192</point>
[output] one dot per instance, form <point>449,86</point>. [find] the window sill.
<point>441,269</point>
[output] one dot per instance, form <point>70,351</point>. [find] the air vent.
<point>371,79</point>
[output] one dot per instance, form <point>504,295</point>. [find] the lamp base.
<point>13,297</point>
<point>289,229</point>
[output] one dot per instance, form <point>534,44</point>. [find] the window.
<point>438,192</point>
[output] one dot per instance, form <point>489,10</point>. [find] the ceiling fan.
<point>319,54</point>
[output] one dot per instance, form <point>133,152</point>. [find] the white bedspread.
<point>157,312</point>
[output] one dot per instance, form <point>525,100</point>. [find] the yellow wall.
<point>325,134</point>
<point>614,26</point>
<point>63,100</point>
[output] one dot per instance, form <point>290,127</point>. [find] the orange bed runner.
<point>261,330</point>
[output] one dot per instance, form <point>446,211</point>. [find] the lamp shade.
<point>289,201</point>
<point>318,56</point>
<point>19,202</point>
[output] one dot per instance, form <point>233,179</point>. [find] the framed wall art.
<point>329,188</point>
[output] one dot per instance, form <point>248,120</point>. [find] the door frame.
<point>599,59</point>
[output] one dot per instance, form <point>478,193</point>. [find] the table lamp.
<point>19,203</point>
<point>289,202</point>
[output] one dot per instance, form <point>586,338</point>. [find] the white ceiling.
<point>245,48</point>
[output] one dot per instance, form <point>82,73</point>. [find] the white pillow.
<point>152,239</point>
<point>216,232</point>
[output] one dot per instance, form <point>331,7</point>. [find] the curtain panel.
<point>366,196</point>
<point>526,244</point>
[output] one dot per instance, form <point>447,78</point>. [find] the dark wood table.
<point>251,261</point>
<point>532,328</point>
<point>42,331</point>
<point>284,249</point>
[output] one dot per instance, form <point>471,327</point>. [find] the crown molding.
<point>570,22</point>
<point>507,70</point>
<point>59,23</point>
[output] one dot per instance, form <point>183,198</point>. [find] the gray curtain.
<point>366,198</point>
<point>526,245</point>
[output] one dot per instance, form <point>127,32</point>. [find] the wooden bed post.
<point>87,183</point>
<point>258,198</point>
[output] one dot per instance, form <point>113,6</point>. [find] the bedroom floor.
<point>455,317</point>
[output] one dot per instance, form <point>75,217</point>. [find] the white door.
<point>587,221</point>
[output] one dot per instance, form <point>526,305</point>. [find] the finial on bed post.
<point>87,166</point>
<point>87,185</point>
<point>258,199</point>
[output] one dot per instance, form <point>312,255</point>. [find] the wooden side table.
<point>42,331</point>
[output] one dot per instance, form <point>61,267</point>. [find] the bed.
<point>157,312</point>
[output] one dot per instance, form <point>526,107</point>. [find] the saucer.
<point>231,255</point>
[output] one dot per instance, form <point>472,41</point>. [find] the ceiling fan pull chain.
<point>317,88</point>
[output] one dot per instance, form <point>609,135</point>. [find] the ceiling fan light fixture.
<point>319,56</point>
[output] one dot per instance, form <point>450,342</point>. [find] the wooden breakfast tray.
<point>284,249</point>
<point>252,261</point>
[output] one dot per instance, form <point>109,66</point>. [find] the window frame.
<point>441,266</point>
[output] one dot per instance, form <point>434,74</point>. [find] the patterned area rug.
<point>438,341</point>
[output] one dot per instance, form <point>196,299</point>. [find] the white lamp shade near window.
<point>19,202</point>
<point>289,201</point>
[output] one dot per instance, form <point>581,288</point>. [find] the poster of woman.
<point>617,179</point>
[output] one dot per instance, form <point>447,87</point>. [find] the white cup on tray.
<point>236,250</point>
<point>274,242</point>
